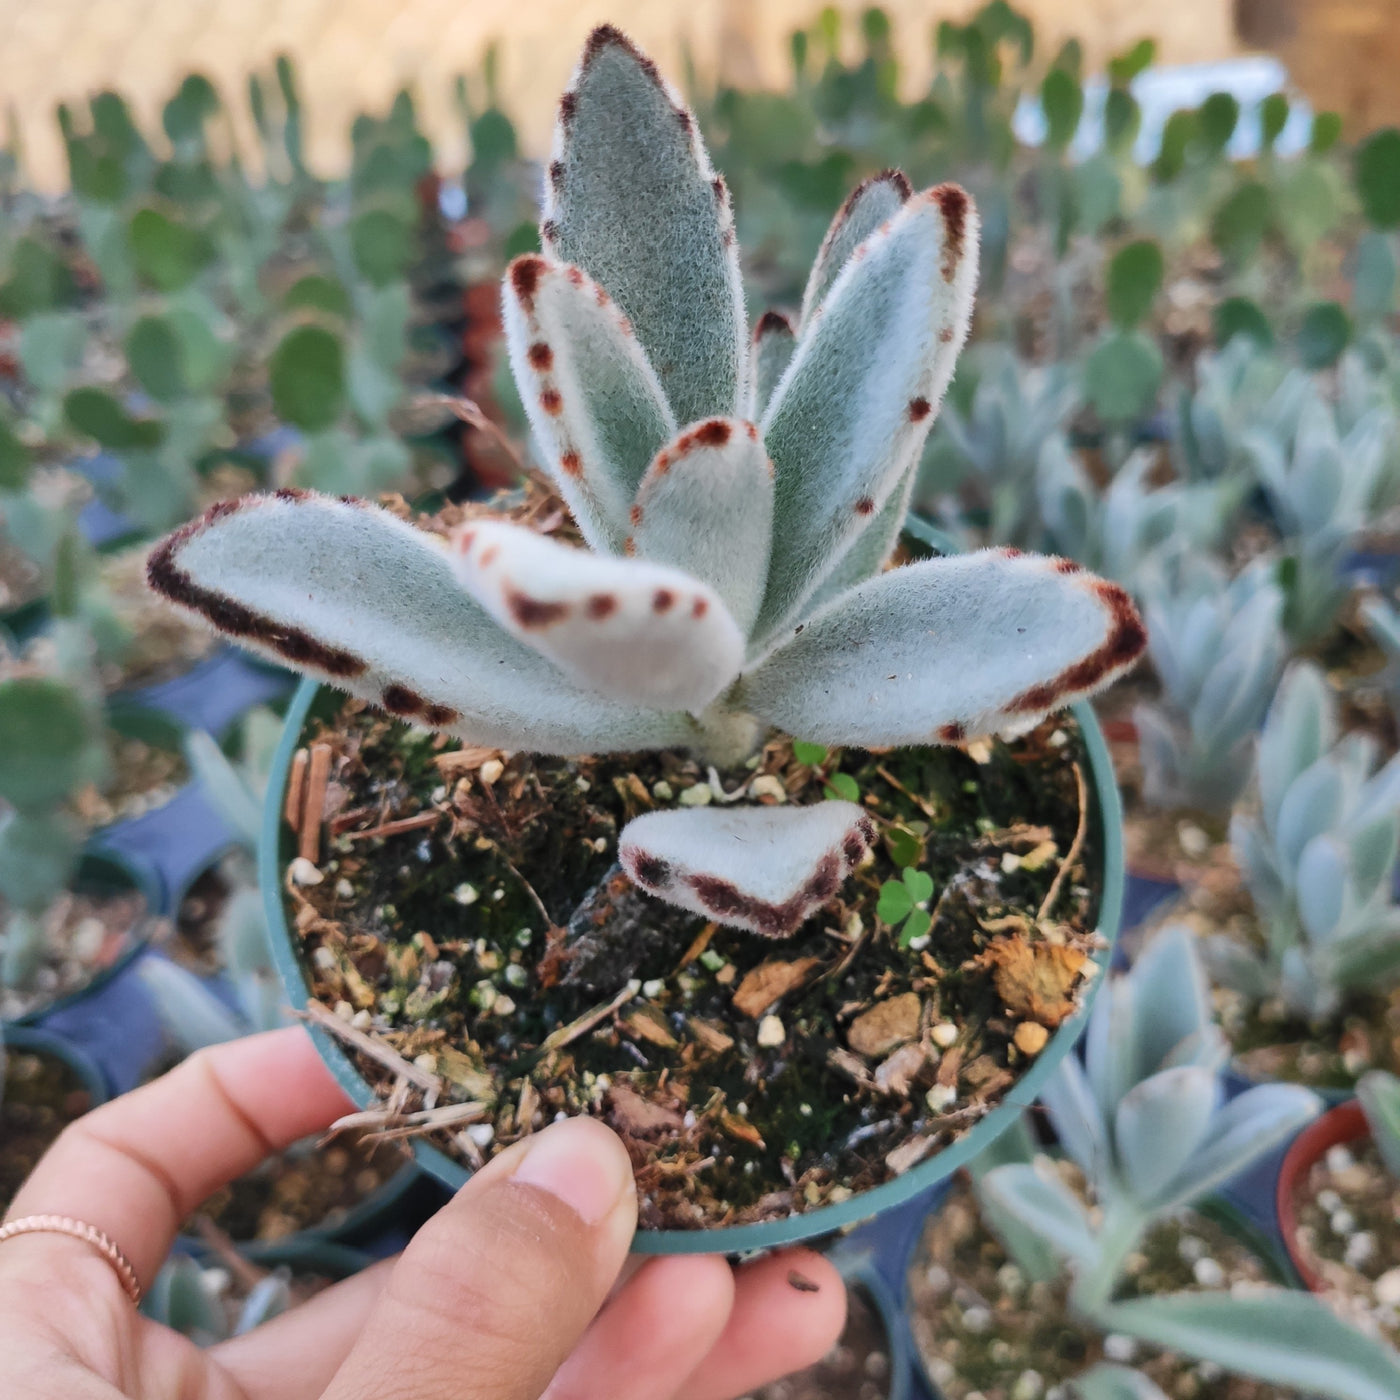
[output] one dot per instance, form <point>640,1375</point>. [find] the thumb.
<point>496,1289</point>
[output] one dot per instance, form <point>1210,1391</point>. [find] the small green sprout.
<point>844,786</point>
<point>904,899</point>
<point>810,754</point>
<point>905,844</point>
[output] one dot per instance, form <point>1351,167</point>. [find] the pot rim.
<point>768,1234</point>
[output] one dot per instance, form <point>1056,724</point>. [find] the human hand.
<point>508,1293</point>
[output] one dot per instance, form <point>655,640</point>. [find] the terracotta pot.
<point>1336,1128</point>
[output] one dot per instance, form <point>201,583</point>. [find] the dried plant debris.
<point>464,922</point>
<point>983,1328</point>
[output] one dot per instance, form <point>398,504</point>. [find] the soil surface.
<point>84,934</point>
<point>308,1187</point>
<point>163,643</point>
<point>856,1368</point>
<point>41,1097</point>
<point>982,1328</point>
<point>1349,1228</point>
<point>466,912</point>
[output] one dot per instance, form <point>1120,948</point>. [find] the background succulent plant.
<point>733,576</point>
<point>1145,1120</point>
<point>1217,646</point>
<point>1319,858</point>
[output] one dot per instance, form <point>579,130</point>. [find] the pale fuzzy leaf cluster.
<point>1218,647</point>
<point>1015,410</point>
<point>1145,1120</point>
<point>1323,488</point>
<point>1125,530</point>
<point>739,498</point>
<point>1319,858</point>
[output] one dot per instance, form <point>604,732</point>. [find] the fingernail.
<point>579,1163</point>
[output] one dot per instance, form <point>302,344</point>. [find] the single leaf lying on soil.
<point>766,869</point>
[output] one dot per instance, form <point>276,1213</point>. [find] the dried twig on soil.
<point>296,791</point>
<point>1076,847</point>
<point>923,804</point>
<point>318,778</point>
<point>384,1126</point>
<point>469,412</point>
<point>380,1053</point>
<point>418,822</point>
<point>556,1040</point>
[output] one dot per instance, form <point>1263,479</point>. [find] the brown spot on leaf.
<point>1067,566</point>
<point>772,323</point>
<point>865,506</point>
<point>953,733</point>
<point>685,121</point>
<point>954,204</point>
<point>945,336</point>
<point>919,409</point>
<point>540,356</point>
<point>400,700</point>
<point>634,514</point>
<point>525,273</point>
<point>720,188</point>
<point>647,869</point>
<point>549,230</point>
<point>489,555</point>
<point>556,173</point>
<point>699,607</point>
<point>714,432</point>
<point>571,463</point>
<point>1009,551</point>
<point>440,716</point>
<point>1126,641</point>
<point>727,237</point>
<point>600,605</point>
<point>551,402</point>
<point>575,276</point>
<point>465,541</point>
<point>752,430</point>
<point>663,600</point>
<point>235,619</point>
<point>292,493</point>
<point>568,105</point>
<point>533,614</point>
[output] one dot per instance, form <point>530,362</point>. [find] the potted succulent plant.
<point>709,833</point>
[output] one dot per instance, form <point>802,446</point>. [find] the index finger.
<point>138,1167</point>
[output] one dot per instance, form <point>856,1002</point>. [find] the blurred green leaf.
<point>38,854</point>
<point>1219,115</point>
<point>47,732</point>
<point>1273,117</point>
<point>523,238</point>
<point>38,280</point>
<point>1122,118</point>
<point>1123,69</point>
<point>317,292</point>
<point>307,374</point>
<point>1062,99</point>
<point>1122,377</point>
<point>14,458</point>
<point>98,415</point>
<point>1178,132</point>
<point>1373,287</point>
<point>1378,178</point>
<point>1323,335</point>
<point>153,352</point>
<point>493,139</point>
<point>167,253</point>
<point>1241,316</point>
<point>382,245</point>
<point>809,754</point>
<point>844,786</point>
<point>1134,279</point>
<point>895,902</point>
<point>1326,132</point>
<point>1240,223</point>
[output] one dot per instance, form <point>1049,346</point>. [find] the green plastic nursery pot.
<point>1107,815</point>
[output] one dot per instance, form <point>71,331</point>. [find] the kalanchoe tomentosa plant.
<point>1319,858</point>
<point>738,510</point>
<point>1144,1120</point>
